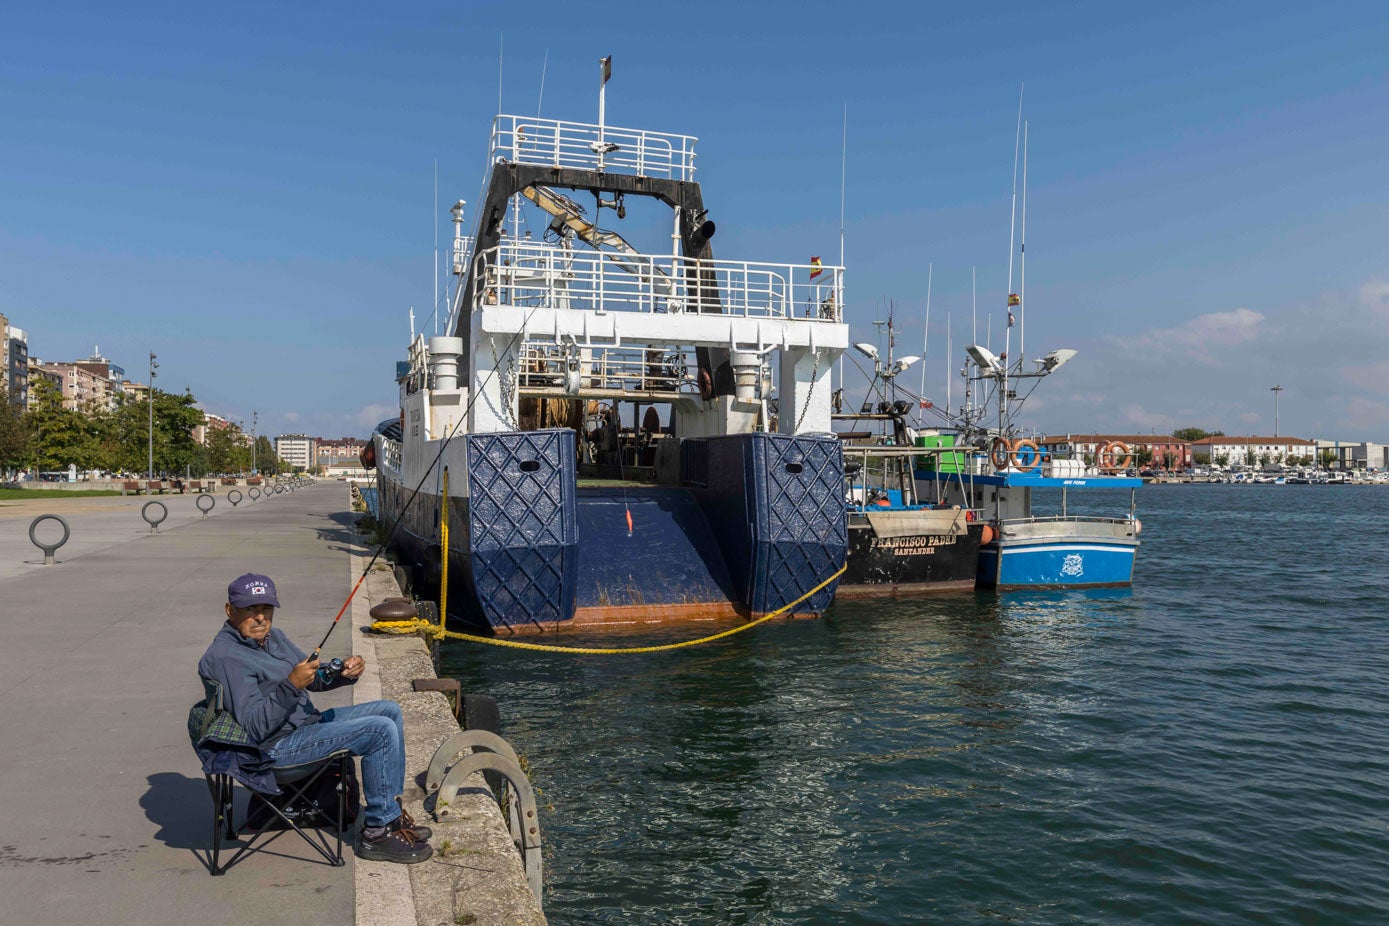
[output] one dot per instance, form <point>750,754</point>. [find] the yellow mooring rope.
<point>444,553</point>
<point>437,631</point>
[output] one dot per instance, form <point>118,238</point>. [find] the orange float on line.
<point>986,536</point>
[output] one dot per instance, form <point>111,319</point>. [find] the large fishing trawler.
<point>610,434</point>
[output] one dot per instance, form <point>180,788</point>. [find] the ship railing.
<point>527,274</point>
<point>584,146</point>
<point>390,454</point>
<point>611,370</point>
<point>1066,518</point>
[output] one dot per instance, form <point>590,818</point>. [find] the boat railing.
<point>584,146</point>
<point>613,370</point>
<point>527,274</point>
<point>390,454</point>
<point>1061,518</point>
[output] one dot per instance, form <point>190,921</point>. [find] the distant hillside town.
<point>87,415</point>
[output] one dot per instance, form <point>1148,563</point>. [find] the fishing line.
<point>419,485</point>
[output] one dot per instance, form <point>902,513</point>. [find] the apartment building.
<point>14,362</point>
<point>299,451</point>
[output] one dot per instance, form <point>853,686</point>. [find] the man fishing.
<point>265,678</point>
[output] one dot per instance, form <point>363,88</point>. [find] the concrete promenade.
<point>106,811</point>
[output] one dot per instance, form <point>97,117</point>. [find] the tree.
<point>126,436</point>
<point>266,461</point>
<point>63,437</point>
<point>226,451</point>
<point>1327,457</point>
<point>1250,457</point>
<point>1222,459</point>
<point>1169,459</point>
<point>14,435</point>
<point>1143,455</point>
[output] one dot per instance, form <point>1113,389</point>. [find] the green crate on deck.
<point>953,462</point>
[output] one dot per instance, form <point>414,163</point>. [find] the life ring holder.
<point>999,452</point>
<point>1034,460</point>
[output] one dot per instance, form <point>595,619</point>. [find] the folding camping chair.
<point>217,735</point>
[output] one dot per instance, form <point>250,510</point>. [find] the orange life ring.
<point>1016,458</point>
<point>1102,455</point>
<point>1116,448</point>
<point>706,384</point>
<point>998,452</point>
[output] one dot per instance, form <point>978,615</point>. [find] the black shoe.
<point>393,846</point>
<point>407,822</point>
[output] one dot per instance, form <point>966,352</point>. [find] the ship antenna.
<point>949,376</point>
<point>601,147</point>
<point>1022,259</point>
<point>501,48</point>
<point>436,245</point>
<point>843,174</point>
<point>925,334</point>
<point>544,66</point>
<point>1012,228</point>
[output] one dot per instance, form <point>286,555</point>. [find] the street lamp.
<point>254,415</point>
<point>153,366</point>
<point>1275,390</point>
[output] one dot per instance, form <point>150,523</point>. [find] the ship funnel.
<point>443,362</point>
<point>746,366</point>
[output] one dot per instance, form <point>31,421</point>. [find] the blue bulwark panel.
<point>776,504</point>
<point>523,525</point>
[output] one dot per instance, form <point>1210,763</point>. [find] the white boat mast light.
<point>901,364</point>
<point>1056,359</point>
<point>984,358</point>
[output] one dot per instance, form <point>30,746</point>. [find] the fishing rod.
<point>395,525</point>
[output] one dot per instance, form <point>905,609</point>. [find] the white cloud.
<point>1142,420</point>
<point>1373,377</point>
<point>291,417</point>
<point>1205,338</point>
<point>368,416</point>
<point>1374,295</point>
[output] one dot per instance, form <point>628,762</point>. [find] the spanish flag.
<point>815,267</point>
<point>1013,299</point>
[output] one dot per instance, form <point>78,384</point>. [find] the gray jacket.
<point>255,683</point>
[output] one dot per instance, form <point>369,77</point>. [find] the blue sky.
<point>247,190</point>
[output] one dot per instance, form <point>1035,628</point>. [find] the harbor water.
<point>1210,746</point>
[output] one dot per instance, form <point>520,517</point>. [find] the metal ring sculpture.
<point>154,522</point>
<point>48,548</point>
<point>254,492</point>
<point>235,497</point>
<point>211,503</point>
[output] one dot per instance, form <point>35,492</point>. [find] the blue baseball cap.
<point>251,589</point>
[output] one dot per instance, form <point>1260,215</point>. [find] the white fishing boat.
<point>608,432</point>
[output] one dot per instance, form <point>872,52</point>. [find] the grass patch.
<point>10,495</point>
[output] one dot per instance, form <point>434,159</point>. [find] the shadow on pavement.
<point>182,809</point>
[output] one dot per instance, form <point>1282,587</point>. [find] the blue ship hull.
<point>1063,563</point>
<point>757,522</point>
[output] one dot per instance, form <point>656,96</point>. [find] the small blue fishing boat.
<point>1053,550</point>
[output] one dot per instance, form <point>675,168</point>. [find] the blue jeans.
<point>373,731</point>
